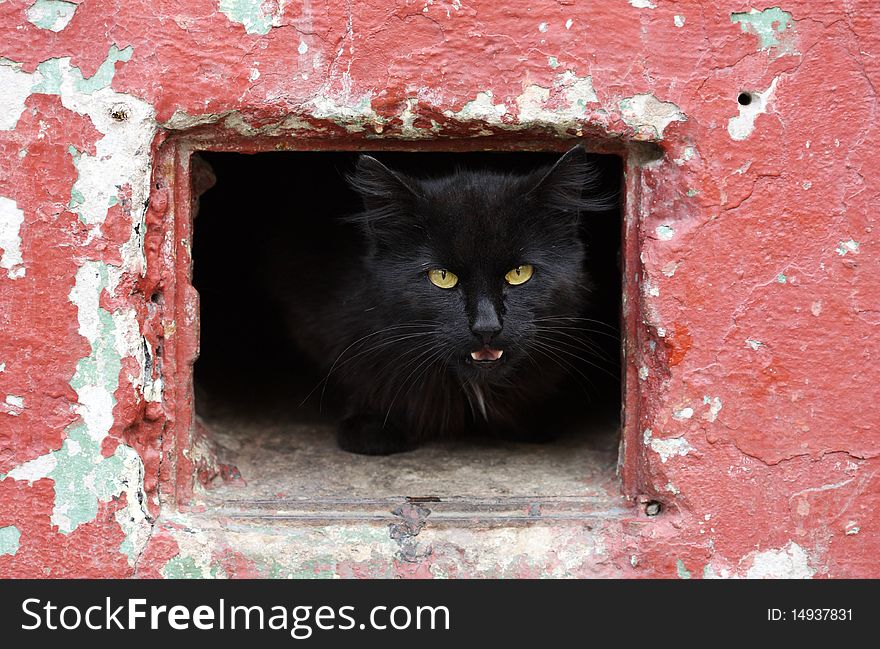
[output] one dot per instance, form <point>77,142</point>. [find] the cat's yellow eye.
<point>520,275</point>
<point>442,277</point>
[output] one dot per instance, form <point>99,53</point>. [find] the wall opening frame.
<point>186,457</point>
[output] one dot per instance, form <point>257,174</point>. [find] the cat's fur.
<point>400,348</point>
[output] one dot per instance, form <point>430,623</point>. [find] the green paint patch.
<point>9,537</point>
<point>52,73</point>
<point>553,62</point>
<point>103,76</point>
<point>781,278</point>
<point>251,14</point>
<point>53,15</point>
<point>773,27</point>
<point>181,567</point>
<point>683,573</point>
<point>83,477</point>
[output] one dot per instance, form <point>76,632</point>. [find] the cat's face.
<point>484,260</point>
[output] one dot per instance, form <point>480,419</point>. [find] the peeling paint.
<point>122,154</point>
<point>715,406</point>
<point>741,126</point>
<point>788,562</point>
<point>683,413</point>
<point>11,220</point>
<point>678,20</point>
<point>17,87</point>
<point>754,344</point>
<point>665,232</point>
<point>647,113</point>
<point>643,4</point>
<point>773,27</point>
<point>848,246</point>
<point>256,16</point>
<point>666,448</point>
<point>535,106</point>
<point>683,572</point>
<point>53,15</point>
<point>9,539</point>
<point>14,401</point>
<point>83,476</point>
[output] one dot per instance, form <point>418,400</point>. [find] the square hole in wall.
<point>268,405</point>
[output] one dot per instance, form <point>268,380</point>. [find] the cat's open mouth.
<point>487,355</point>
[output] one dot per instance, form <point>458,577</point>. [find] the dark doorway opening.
<point>265,405</point>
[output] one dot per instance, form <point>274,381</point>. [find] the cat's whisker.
<point>580,343</point>
<point>564,364</point>
<point>425,356</point>
<point>385,330</point>
<point>563,350</point>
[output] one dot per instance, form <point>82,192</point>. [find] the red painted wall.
<point>754,339</point>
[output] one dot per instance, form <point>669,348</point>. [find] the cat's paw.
<point>369,435</point>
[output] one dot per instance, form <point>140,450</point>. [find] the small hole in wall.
<point>263,395</point>
<point>744,98</point>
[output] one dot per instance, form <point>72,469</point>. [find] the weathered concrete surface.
<point>752,345</point>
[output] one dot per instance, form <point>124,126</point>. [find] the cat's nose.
<point>486,324</point>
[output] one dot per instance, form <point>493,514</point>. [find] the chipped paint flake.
<point>562,107</point>
<point>576,92</point>
<point>643,4</point>
<point>665,232</point>
<point>11,220</point>
<point>53,15</point>
<point>845,247</point>
<point>256,16</point>
<point>678,20</point>
<point>715,406</point>
<point>667,448</point>
<point>741,126</point>
<point>754,344</point>
<point>9,539</point>
<point>683,413</point>
<point>648,115</point>
<point>788,562</point>
<point>482,107</point>
<point>14,401</point>
<point>773,27</point>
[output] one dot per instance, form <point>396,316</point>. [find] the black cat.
<point>462,308</point>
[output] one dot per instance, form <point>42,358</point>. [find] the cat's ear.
<point>382,189</point>
<point>573,185</point>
